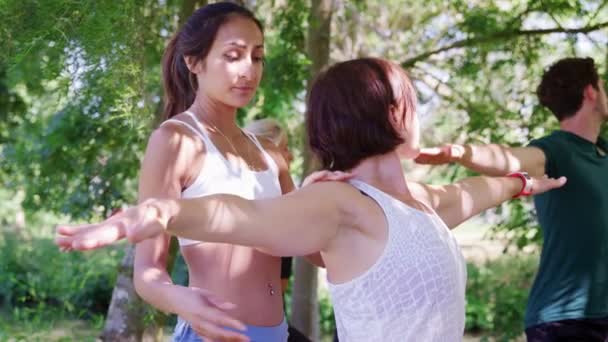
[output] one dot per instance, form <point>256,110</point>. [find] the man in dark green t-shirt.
<point>569,298</point>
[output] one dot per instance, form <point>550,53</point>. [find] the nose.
<point>247,69</point>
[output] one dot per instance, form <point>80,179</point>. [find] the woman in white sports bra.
<point>212,67</point>
<point>394,269</point>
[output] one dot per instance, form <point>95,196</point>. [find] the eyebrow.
<point>243,46</point>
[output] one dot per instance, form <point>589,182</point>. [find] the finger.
<point>220,304</point>
<point>71,229</point>
<point>64,242</point>
<point>337,178</point>
<point>100,235</point>
<point>345,175</point>
<point>542,185</point>
<point>555,183</point>
<point>561,181</point>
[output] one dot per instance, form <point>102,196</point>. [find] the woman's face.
<point>232,70</point>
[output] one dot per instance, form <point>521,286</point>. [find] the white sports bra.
<point>218,176</point>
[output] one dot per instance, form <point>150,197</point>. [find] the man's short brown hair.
<point>563,84</point>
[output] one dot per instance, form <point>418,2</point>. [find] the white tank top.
<point>414,291</point>
<point>218,176</point>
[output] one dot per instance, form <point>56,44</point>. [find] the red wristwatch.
<point>526,189</point>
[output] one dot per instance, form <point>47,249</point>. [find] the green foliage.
<point>35,277</point>
<point>497,294</point>
<point>78,69</point>
<point>286,64</point>
<point>327,322</point>
<point>519,225</point>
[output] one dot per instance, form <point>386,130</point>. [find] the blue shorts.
<point>184,333</point>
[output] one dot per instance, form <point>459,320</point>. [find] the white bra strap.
<point>187,125</point>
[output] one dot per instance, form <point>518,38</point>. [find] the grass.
<point>21,325</point>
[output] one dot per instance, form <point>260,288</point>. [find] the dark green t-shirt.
<point>572,280</point>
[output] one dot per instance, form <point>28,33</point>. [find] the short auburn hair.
<point>348,109</point>
<point>562,86</point>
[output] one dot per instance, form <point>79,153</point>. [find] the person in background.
<point>569,297</point>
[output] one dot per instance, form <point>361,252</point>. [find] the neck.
<point>585,125</point>
<point>383,172</point>
<point>215,114</point>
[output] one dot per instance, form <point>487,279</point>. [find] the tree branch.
<point>504,35</point>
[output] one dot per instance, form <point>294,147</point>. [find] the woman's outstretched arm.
<point>298,223</point>
<point>455,203</point>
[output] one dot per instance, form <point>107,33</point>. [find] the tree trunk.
<point>124,320</point>
<point>305,307</point>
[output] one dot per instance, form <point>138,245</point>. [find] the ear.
<point>395,117</point>
<point>194,65</point>
<point>590,93</point>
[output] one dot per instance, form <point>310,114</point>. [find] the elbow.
<point>143,283</point>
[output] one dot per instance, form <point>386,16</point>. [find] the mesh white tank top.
<point>218,176</point>
<point>414,291</point>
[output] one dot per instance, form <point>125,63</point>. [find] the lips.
<point>243,89</point>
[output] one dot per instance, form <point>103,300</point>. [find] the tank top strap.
<point>202,130</point>
<point>210,148</point>
<point>188,126</point>
<point>380,197</point>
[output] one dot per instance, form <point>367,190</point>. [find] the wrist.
<point>525,184</point>
<point>460,153</point>
<point>168,209</point>
<point>174,296</point>
<point>161,210</point>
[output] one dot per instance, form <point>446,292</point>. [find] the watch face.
<point>526,175</point>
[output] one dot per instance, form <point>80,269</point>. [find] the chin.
<point>237,104</point>
<point>240,102</point>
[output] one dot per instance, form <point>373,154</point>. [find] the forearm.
<point>154,285</point>
<point>471,196</point>
<point>491,160</point>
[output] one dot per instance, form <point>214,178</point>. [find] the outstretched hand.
<point>136,224</point>
<point>544,184</point>
<point>445,154</point>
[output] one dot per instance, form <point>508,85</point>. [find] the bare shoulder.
<point>424,193</point>
<point>175,136</point>
<point>174,149</point>
<point>341,196</point>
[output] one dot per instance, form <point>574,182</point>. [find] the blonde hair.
<point>267,128</point>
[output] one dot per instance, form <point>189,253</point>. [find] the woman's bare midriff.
<point>240,275</point>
